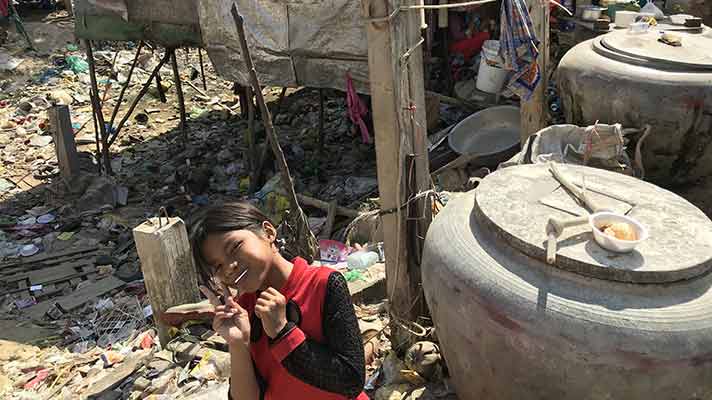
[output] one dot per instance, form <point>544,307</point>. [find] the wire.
<point>440,6</point>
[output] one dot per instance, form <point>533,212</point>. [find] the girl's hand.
<point>231,321</point>
<point>271,308</point>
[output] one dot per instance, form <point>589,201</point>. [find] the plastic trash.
<point>651,8</point>
<point>77,64</point>
<point>354,275</point>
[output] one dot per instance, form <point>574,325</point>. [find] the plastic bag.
<point>651,8</point>
<point>77,64</point>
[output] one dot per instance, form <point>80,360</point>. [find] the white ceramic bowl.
<point>611,243</point>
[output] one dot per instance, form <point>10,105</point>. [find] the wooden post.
<point>63,136</point>
<point>329,224</point>
<point>179,91</point>
<point>250,136</point>
<point>534,112</point>
<point>397,98</point>
<point>168,267</point>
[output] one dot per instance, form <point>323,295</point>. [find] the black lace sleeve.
<point>338,364</point>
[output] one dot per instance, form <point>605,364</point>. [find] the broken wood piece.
<point>168,267</point>
<point>178,315</point>
<point>118,374</point>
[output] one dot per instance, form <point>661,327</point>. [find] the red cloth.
<point>357,110</point>
<point>4,6</point>
<point>470,47</point>
<point>306,286</point>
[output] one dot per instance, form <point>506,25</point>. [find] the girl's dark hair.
<point>220,219</point>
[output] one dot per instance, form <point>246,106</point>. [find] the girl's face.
<point>232,253</point>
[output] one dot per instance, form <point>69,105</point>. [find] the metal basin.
<point>487,133</point>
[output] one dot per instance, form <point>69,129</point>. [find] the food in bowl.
<point>615,232</point>
<point>619,230</point>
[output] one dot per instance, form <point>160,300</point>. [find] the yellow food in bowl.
<point>620,230</point>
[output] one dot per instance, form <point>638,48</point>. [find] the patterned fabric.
<point>518,45</point>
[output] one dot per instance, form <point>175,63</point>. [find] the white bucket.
<point>491,75</point>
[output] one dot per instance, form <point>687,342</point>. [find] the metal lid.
<point>645,48</point>
<point>517,202</point>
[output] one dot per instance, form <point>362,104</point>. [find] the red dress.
<point>306,286</point>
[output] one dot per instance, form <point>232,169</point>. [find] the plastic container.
<point>491,75</point>
<point>639,27</point>
<point>611,243</point>
<point>625,18</point>
<point>362,259</point>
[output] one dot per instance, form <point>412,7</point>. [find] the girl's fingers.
<point>260,311</point>
<point>212,298</point>
<point>264,302</point>
<point>229,301</point>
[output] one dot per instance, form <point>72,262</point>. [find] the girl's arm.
<point>244,383</point>
<point>338,364</point>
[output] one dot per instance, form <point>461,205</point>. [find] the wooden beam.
<point>168,267</point>
<point>65,147</point>
<point>397,97</point>
<point>324,205</point>
<point>302,240</point>
<point>535,111</point>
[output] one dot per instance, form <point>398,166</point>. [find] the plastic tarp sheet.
<point>293,43</point>
<point>175,12</point>
<point>599,146</point>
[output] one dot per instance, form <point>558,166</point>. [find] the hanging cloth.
<point>4,8</point>
<point>357,110</point>
<point>518,45</point>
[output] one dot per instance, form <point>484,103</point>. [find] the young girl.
<point>292,331</point>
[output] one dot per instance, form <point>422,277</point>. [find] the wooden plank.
<point>398,104</point>
<point>534,112</point>
<point>77,298</point>
<point>168,268</point>
<point>89,292</point>
<point>48,257</point>
<point>65,147</point>
<point>51,274</point>
<point>38,272</point>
